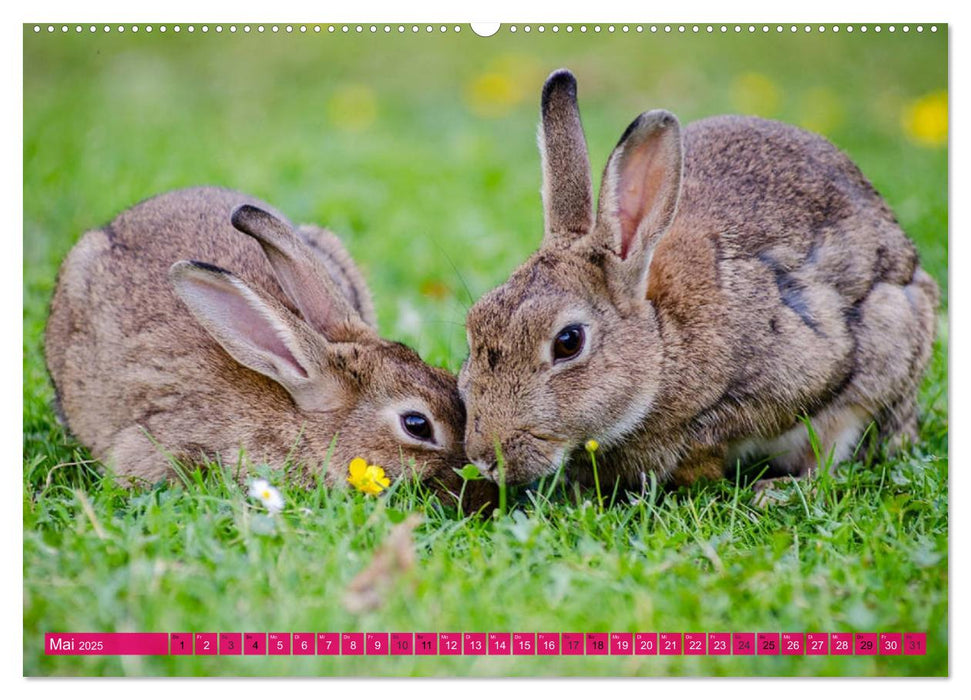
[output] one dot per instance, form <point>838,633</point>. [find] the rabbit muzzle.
<point>516,456</point>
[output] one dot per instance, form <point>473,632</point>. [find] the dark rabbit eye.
<point>418,426</point>
<point>568,343</point>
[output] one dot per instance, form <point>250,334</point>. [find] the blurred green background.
<point>419,150</point>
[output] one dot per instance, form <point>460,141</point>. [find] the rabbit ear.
<point>302,275</point>
<point>342,269</point>
<point>639,194</point>
<point>567,187</point>
<point>258,332</point>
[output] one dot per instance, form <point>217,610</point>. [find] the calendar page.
<point>543,349</point>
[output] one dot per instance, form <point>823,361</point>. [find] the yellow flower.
<point>367,478</point>
<point>352,107</point>
<point>820,110</point>
<point>754,93</point>
<point>592,446</point>
<point>925,119</point>
<point>503,84</point>
<point>492,95</point>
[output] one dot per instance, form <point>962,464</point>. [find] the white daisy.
<point>265,493</point>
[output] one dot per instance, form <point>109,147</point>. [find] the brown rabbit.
<point>736,276</point>
<point>155,357</point>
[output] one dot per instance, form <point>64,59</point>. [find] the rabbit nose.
<point>486,468</point>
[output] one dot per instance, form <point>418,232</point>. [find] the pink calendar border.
<point>486,643</point>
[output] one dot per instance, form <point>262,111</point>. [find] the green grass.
<point>434,186</point>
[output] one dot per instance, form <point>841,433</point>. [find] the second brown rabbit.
<point>737,275</point>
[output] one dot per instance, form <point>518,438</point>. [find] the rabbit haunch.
<point>737,275</point>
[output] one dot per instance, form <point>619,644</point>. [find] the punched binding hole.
<point>485,28</point>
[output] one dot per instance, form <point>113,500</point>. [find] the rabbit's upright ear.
<point>639,195</point>
<point>342,268</point>
<point>258,332</point>
<point>567,187</point>
<point>302,275</point>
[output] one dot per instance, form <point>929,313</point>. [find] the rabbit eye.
<point>568,343</point>
<point>418,426</point>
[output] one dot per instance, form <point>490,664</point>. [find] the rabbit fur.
<point>738,274</point>
<point>200,325</point>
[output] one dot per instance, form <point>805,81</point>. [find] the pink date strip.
<point>106,644</point>
<point>485,644</point>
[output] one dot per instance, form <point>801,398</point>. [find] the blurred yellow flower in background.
<point>352,107</point>
<point>434,288</point>
<point>367,478</point>
<point>754,93</point>
<point>506,82</point>
<point>820,110</point>
<point>925,119</point>
<point>492,95</point>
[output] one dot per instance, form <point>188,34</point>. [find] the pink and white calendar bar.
<point>719,643</point>
<point>694,643</point>
<point>501,644</point>
<point>303,643</point>
<point>817,644</point>
<point>915,643</point>
<point>329,644</point>
<point>402,644</point>
<point>621,643</point>
<point>352,644</point>
<point>278,643</point>
<point>793,644</point>
<point>523,643</point>
<point>426,644</point>
<point>450,643</point>
<point>669,643</point>
<point>597,644</point>
<point>571,644</point>
<point>106,644</point>
<point>645,643</point>
<point>377,643</point>
<point>474,644</point>
<point>180,643</point>
<point>548,643</point>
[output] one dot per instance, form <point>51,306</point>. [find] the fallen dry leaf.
<point>393,559</point>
